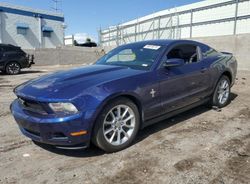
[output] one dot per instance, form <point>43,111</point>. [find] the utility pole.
<point>56,3</point>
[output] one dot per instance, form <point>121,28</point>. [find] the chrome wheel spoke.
<point>128,118</point>
<point>128,126</point>
<point>108,131</point>
<point>119,137</point>
<point>223,86</point>
<point>220,97</point>
<point>118,111</point>
<point>124,113</point>
<point>113,115</point>
<point>112,137</point>
<point>109,122</point>
<point>226,86</point>
<point>125,133</point>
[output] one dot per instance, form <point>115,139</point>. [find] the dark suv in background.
<point>13,59</point>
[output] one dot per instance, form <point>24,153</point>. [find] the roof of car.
<point>6,45</point>
<point>162,42</point>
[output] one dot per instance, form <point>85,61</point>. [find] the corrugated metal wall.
<point>202,19</point>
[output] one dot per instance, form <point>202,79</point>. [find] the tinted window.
<point>21,31</point>
<point>188,52</point>
<point>10,48</point>
<point>208,51</point>
<point>46,34</point>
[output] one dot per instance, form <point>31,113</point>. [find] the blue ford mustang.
<point>131,87</point>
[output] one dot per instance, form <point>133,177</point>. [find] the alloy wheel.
<point>119,124</point>
<point>13,68</point>
<point>223,91</point>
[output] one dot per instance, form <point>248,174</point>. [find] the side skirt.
<point>173,113</point>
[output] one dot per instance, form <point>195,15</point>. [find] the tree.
<point>88,40</point>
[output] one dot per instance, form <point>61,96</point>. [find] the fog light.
<point>83,132</point>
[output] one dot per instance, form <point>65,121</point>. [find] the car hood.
<point>69,84</point>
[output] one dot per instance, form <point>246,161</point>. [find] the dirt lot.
<point>199,146</point>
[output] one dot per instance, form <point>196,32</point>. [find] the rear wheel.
<point>222,92</point>
<point>117,125</point>
<point>13,68</point>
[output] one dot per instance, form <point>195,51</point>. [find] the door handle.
<point>203,70</point>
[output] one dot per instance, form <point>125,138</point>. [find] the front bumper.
<point>51,129</point>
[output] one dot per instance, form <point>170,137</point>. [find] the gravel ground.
<point>198,146</point>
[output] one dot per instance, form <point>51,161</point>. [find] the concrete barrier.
<point>66,55</point>
<point>239,45</point>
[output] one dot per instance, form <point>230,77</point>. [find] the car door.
<point>1,54</point>
<point>186,84</point>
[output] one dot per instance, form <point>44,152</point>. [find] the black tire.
<point>215,101</point>
<point>13,68</point>
<point>98,137</point>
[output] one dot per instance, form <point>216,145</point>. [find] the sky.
<point>87,16</point>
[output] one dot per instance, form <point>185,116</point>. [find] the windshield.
<point>136,56</point>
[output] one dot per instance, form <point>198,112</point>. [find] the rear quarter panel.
<point>224,63</point>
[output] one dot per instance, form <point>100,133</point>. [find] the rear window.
<point>12,48</point>
<point>208,51</point>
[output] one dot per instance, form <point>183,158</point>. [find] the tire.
<point>221,95</point>
<point>13,68</point>
<point>114,132</point>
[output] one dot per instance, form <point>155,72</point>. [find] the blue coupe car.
<point>131,87</point>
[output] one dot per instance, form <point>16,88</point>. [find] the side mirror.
<point>173,62</point>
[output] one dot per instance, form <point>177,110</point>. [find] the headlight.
<point>67,108</point>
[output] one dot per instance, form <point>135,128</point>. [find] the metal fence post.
<point>191,24</point>
<point>100,37</point>
<point>136,30</point>
<point>109,38</point>
<point>153,28</point>
<point>159,27</point>
<point>117,35</point>
<point>236,15</point>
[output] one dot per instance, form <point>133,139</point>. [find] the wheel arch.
<point>132,97</point>
<point>113,97</point>
<point>228,74</point>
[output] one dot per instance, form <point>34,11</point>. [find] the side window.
<point>46,34</point>
<point>126,55</point>
<point>188,52</point>
<point>22,31</point>
<point>209,52</point>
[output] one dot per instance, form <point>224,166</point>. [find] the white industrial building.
<point>201,19</point>
<point>30,28</point>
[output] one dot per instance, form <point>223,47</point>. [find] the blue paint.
<point>92,87</point>
<point>31,14</point>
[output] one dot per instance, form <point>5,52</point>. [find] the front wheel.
<point>117,125</point>
<point>222,92</point>
<point>13,68</point>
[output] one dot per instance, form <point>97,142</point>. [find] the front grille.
<point>32,106</point>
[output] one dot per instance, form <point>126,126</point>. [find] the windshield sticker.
<point>152,47</point>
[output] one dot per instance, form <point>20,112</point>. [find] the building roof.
<point>26,11</point>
